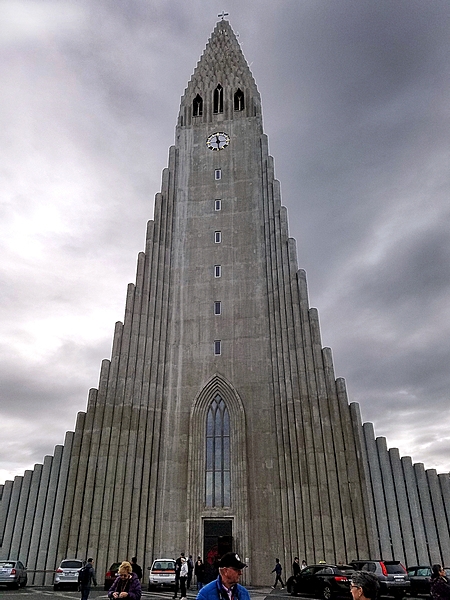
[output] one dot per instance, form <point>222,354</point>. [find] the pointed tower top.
<point>222,65</point>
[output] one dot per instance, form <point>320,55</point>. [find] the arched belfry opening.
<point>217,479</point>
<point>197,106</point>
<point>239,100</point>
<point>218,99</point>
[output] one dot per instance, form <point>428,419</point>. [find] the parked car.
<point>13,573</point>
<point>323,581</point>
<point>391,574</point>
<point>419,579</point>
<point>162,573</point>
<point>111,575</point>
<point>66,575</point>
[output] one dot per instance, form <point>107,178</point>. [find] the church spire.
<point>222,86</point>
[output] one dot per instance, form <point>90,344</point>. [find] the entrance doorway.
<point>217,539</point>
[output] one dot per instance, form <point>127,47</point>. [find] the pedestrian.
<point>440,587</point>
<point>226,585</point>
<point>277,570</point>
<point>85,576</point>
<point>304,565</point>
<point>126,585</point>
<point>136,568</point>
<point>190,564</point>
<point>199,571</point>
<point>177,574</point>
<point>183,577</point>
<point>296,567</point>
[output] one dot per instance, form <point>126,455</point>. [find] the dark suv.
<point>323,581</point>
<point>391,574</point>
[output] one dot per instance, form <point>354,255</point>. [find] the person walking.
<point>277,570</point>
<point>85,576</point>
<point>190,564</point>
<point>136,568</point>
<point>199,571</point>
<point>440,587</point>
<point>126,585</point>
<point>177,574</point>
<point>226,585</point>
<point>184,571</point>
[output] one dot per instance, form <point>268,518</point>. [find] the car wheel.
<point>326,592</point>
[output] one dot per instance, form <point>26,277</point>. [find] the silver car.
<point>13,573</point>
<point>66,575</point>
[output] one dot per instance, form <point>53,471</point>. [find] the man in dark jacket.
<point>277,570</point>
<point>136,568</point>
<point>85,576</point>
<point>296,567</point>
<point>177,574</point>
<point>226,585</point>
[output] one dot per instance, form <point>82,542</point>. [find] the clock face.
<point>218,141</point>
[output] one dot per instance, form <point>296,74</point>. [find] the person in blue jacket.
<point>226,586</point>
<point>277,570</point>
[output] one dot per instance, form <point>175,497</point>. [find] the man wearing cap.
<point>226,586</point>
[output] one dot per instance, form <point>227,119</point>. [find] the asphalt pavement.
<point>43,593</point>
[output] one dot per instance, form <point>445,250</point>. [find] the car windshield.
<point>394,569</point>
<point>71,564</point>
<point>163,565</point>
<point>424,572</point>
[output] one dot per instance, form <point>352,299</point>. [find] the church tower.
<point>218,422</point>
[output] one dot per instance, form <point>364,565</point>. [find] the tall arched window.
<point>239,100</point>
<point>218,481</point>
<point>197,108</point>
<point>218,99</point>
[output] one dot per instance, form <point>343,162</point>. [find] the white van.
<point>162,573</point>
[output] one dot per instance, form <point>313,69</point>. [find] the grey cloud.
<point>355,101</point>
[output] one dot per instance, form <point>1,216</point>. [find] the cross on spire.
<point>224,14</point>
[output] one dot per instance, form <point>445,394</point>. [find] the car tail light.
<point>59,571</point>
<point>108,574</point>
<point>340,578</point>
<point>383,568</point>
<point>13,571</point>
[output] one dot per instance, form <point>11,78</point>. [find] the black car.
<point>391,574</point>
<point>322,581</point>
<point>419,579</point>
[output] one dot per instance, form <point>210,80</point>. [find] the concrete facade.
<point>218,336</point>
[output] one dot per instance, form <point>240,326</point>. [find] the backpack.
<point>84,575</point>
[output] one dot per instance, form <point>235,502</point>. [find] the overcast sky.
<point>355,97</point>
